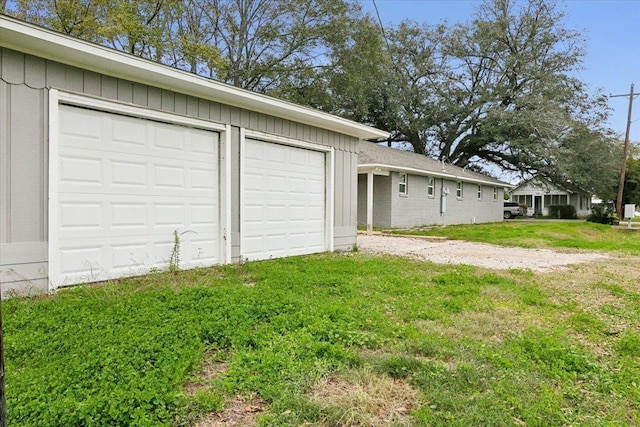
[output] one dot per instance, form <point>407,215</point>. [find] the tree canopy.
<point>631,193</point>
<point>501,92</point>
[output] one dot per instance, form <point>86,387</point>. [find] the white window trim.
<point>479,192</point>
<point>58,97</point>
<point>459,190</point>
<point>330,157</point>
<point>405,183</point>
<point>431,187</point>
<point>495,194</point>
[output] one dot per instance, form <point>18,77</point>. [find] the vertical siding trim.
<point>12,66</point>
<point>125,91</point>
<point>225,193</point>
<point>330,211</point>
<point>53,182</point>
<point>241,191</point>
<point>44,177</point>
<point>34,71</point>
<point>5,184</point>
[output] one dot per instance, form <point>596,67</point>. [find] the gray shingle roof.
<point>394,159</point>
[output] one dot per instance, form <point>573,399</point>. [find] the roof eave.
<point>37,41</point>
<point>366,167</point>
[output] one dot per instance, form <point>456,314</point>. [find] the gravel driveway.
<point>478,254</point>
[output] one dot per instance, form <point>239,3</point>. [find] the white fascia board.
<point>24,37</point>
<point>364,168</point>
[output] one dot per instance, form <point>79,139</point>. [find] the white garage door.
<point>120,187</point>
<point>283,201</point>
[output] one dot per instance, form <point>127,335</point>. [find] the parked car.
<point>512,210</point>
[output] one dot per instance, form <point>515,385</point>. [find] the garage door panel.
<point>129,173</point>
<point>74,260</point>
<point>203,250</point>
<point>127,131</point>
<point>169,139</point>
<point>253,182</point>
<point>84,168</point>
<point>169,214</point>
<point>100,131</point>
<point>203,179</point>
<point>129,215</point>
<point>283,200</point>
<point>103,259</point>
<point>86,211</point>
<point>205,214</point>
<point>85,124</point>
<point>80,216</point>
<point>201,144</point>
<point>277,214</point>
<point>80,170</point>
<point>168,176</point>
<point>119,199</point>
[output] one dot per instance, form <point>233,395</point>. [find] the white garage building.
<point>105,157</point>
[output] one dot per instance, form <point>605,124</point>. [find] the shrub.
<point>563,211</point>
<point>602,214</point>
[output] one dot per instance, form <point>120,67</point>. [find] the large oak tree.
<point>499,92</point>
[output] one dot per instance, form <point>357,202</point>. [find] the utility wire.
<point>384,35</point>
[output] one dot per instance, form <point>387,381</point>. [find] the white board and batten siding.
<point>121,185</point>
<point>286,193</point>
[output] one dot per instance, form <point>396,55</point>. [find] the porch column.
<point>370,202</point>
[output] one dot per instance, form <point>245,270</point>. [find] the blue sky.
<point>611,27</point>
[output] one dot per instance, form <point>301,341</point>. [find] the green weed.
<point>122,353</point>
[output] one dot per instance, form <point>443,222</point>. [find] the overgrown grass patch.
<point>576,234</point>
<point>317,338</point>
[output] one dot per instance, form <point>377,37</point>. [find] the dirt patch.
<point>477,254</point>
<point>212,366</point>
<point>363,398</point>
<point>241,412</point>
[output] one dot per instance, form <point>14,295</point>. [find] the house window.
<point>430,186</point>
<point>459,189</point>
<point>402,185</point>
<point>555,200</point>
<point>495,194</point>
<point>525,200</point>
<point>479,192</point>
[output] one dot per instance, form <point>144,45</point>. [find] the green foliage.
<point>174,259</point>
<point>120,353</point>
<point>629,344</point>
<point>631,193</point>
<point>499,89</point>
<point>587,323</point>
<point>603,214</point>
<point>554,355</point>
<point>563,212</point>
<point>575,235</point>
<point>399,366</point>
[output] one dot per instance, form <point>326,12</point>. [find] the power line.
<point>384,35</point>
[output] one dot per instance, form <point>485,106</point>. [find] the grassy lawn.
<point>333,339</point>
<point>576,234</point>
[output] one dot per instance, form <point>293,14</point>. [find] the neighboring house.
<point>399,188</point>
<point>104,156</point>
<point>537,194</point>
